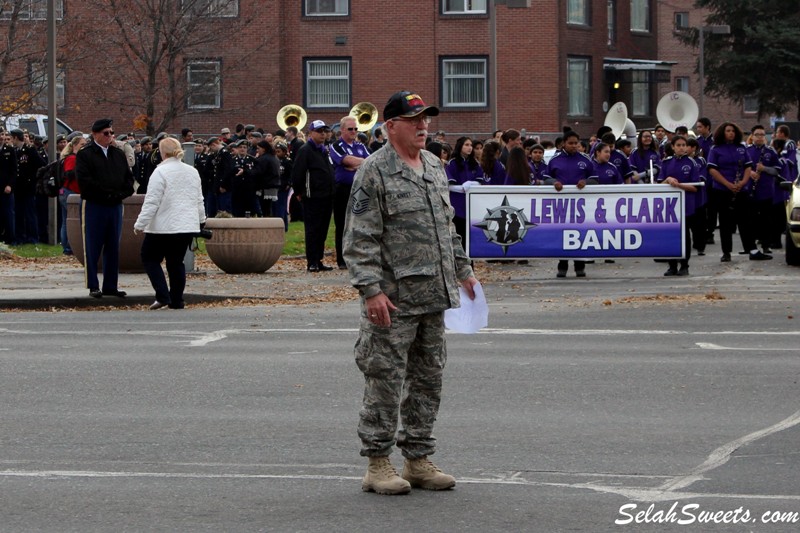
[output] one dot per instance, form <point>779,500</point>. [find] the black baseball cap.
<point>407,105</point>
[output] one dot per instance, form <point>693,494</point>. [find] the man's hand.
<point>7,190</point>
<point>136,231</point>
<point>469,285</point>
<point>378,308</point>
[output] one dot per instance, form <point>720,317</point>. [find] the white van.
<point>36,124</point>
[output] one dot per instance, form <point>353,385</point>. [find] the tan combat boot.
<point>423,474</point>
<point>382,478</point>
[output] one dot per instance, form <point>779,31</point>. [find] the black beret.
<point>100,125</point>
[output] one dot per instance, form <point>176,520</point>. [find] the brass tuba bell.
<point>366,115</point>
<point>291,115</point>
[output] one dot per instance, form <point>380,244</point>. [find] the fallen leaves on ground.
<point>667,298</point>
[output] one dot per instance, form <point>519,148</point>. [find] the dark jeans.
<point>341,201</point>
<point>7,218</point>
<point>102,229</point>
<point>691,221</point>
<point>170,246</point>
<point>280,207</point>
<point>27,222</point>
<point>317,213</point>
<point>733,210</point>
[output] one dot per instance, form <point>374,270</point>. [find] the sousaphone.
<point>366,115</point>
<point>616,119</point>
<point>677,109</point>
<point>291,115</point>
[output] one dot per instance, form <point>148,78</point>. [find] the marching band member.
<point>680,170</point>
<point>570,167</point>
<point>462,168</point>
<point>729,167</point>
<point>645,153</point>
<point>767,167</point>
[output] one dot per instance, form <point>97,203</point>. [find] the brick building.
<point>558,62</point>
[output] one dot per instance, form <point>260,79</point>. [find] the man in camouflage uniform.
<point>406,260</point>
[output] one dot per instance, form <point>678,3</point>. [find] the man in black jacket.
<point>28,163</point>
<point>105,180</point>
<point>8,185</point>
<point>312,179</point>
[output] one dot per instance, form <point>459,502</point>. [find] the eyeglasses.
<point>414,120</point>
<point>108,133</point>
<point>351,129</point>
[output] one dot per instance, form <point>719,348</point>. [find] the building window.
<point>316,8</point>
<point>464,82</point>
<point>751,104</point>
<point>204,84</point>
<point>38,79</point>
<point>213,8</point>
<point>681,20</point>
<point>578,12</point>
<point>682,84</point>
<point>463,7</point>
<point>611,15</point>
<point>327,83</point>
<point>640,15</point>
<point>578,87</point>
<point>30,10</point>
<point>640,89</point>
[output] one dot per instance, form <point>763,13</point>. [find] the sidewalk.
<point>57,283</point>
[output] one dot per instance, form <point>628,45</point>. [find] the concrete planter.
<point>130,245</point>
<point>245,245</point>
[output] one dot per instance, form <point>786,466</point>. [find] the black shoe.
<point>760,256</point>
<point>561,274</point>
<point>96,293</point>
<point>767,251</point>
<point>522,262</point>
<point>117,293</point>
<point>177,306</point>
<point>323,267</point>
<point>313,268</point>
<point>609,261</point>
<point>157,305</point>
<point>684,271</point>
<point>342,266</point>
<point>580,273</point>
<point>671,272</point>
<point>726,258</point>
<point>701,252</point>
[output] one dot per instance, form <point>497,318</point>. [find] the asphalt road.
<point>585,403</point>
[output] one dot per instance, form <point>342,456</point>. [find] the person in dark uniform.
<point>313,182</point>
<point>280,208</point>
<point>8,184</point>
<point>222,171</point>
<point>105,179</point>
<point>28,162</point>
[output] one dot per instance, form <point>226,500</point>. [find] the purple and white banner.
<point>600,221</point>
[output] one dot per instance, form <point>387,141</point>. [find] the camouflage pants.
<point>402,368</point>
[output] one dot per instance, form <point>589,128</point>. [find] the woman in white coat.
<point>171,215</point>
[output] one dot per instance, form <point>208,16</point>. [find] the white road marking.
<point>213,337</point>
<point>722,455</point>
<point>485,331</point>
<point>712,346</point>
<point>632,493</point>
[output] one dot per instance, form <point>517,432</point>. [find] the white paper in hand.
<point>472,315</point>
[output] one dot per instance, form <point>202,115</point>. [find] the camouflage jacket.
<point>399,237</point>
